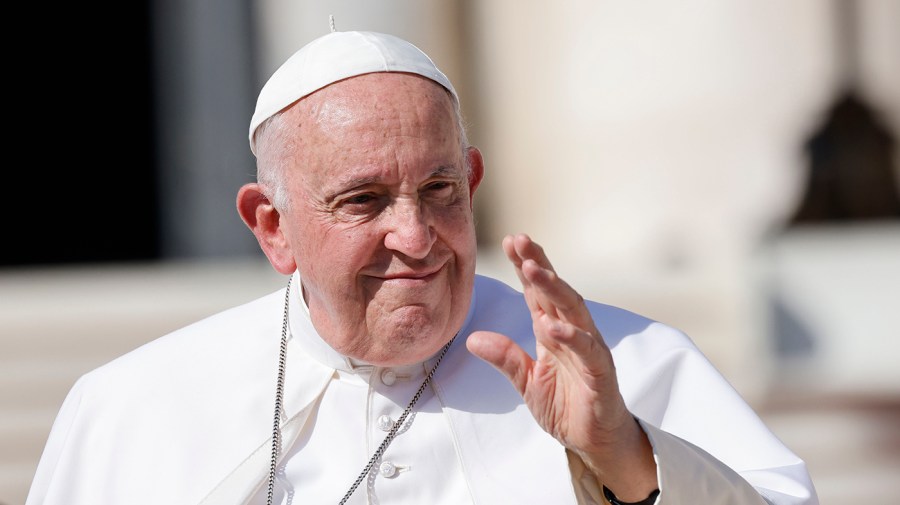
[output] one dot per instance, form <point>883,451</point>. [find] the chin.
<point>410,347</point>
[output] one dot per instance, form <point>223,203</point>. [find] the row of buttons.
<point>388,378</point>
<point>388,469</point>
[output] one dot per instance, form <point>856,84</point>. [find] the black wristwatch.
<point>611,498</point>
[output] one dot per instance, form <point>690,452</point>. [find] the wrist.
<point>629,467</point>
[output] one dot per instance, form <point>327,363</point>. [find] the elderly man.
<point>399,376</point>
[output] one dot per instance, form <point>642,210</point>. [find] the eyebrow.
<point>349,184</point>
<point>444,171</point>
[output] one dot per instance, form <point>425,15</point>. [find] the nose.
<point>409,230</point>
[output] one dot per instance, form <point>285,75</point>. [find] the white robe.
<point>187,418</point>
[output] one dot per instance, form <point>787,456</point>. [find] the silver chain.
<point>279,396</point>
<point>279,401</point>
<point>397,424</point>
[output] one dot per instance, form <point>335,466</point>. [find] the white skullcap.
<point>334,57</point>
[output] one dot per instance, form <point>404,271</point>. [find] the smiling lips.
<point>411,276</point>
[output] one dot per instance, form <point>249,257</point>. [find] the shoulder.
<point>229,338</point>
<point>200,390</point>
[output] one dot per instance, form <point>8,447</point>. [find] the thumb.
<point>503,354</point>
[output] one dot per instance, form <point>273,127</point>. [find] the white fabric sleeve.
<point>588,490</point>
<point>709,444</point>
<point>43,484</point>
<point>688,474</point>
<point>685,474</point>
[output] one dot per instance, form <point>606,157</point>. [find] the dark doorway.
<point>83,188</point>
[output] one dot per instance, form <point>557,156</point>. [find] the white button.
<point>385,423</point>
<point>388,377</point>
<point>388,469</point>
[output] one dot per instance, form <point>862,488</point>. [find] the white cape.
<point>186,419</point>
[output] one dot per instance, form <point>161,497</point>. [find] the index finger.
<point>544,288</point>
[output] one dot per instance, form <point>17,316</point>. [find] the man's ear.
<point>476,171</point>
<point>264,221</point>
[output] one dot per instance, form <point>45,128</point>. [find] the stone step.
<point>59,323</point>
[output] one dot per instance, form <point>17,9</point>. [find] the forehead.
<point>366,125</point>
<point>375,106</point>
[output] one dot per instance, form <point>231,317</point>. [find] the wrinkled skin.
<point>380,224</point>
<point>381,229</point>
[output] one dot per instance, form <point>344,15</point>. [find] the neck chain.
<point>279,408</point>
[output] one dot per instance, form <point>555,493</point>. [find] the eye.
<point>439,188</point>
<point>359,204</point>
<point>361,199</point>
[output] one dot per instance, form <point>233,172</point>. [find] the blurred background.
<point>728,167</point>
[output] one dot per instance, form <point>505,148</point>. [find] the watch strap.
<point>611,498</point>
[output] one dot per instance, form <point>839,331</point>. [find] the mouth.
<point>411,277</point>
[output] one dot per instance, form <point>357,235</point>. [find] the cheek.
<point>457,225</point>
<point>330,253</point>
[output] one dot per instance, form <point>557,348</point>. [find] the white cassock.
<point>187,419</point>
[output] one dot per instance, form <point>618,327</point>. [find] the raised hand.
<point>571,387</point>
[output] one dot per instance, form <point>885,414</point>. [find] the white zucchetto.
<point>337,56</point>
